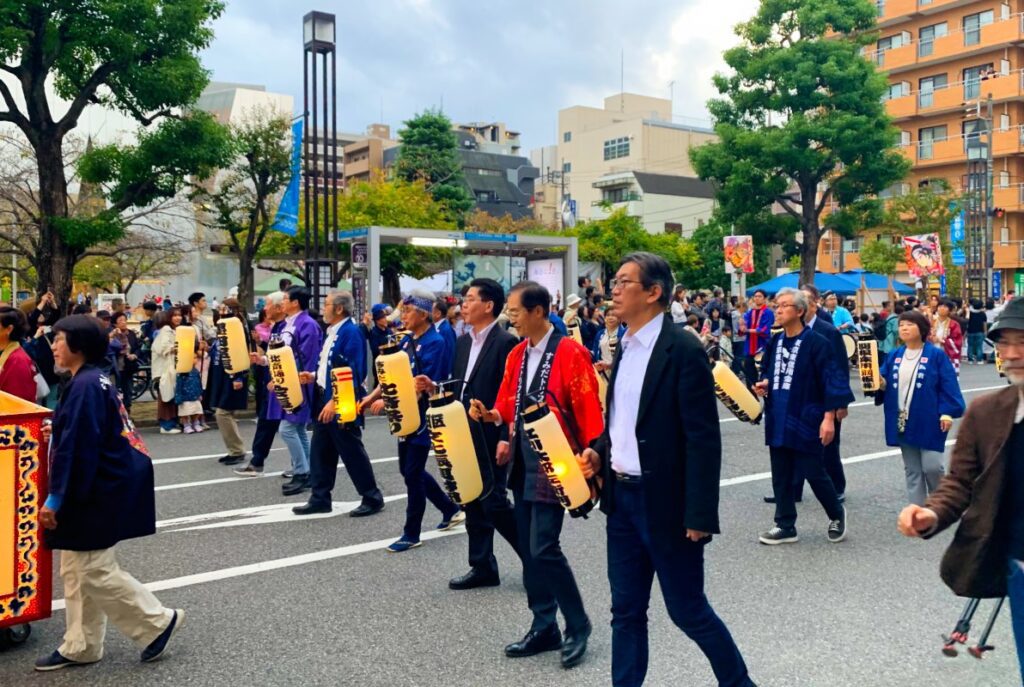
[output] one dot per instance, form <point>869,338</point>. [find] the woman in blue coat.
<point>921,396</point>
<point>101,492</point>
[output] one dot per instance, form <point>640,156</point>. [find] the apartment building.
<point>944,58</point>
<point>628,133</point>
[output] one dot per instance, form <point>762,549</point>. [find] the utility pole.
<point>989,203</point>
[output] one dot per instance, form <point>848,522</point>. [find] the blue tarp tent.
<point>845,284</point>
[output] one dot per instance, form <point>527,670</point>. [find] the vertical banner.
<point>923,255</point>
<point>739,254</point>
<point>287,219</point>
<point>956,238</point>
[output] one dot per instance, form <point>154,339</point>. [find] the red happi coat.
<point>573,382</point>
<point>952,343</point>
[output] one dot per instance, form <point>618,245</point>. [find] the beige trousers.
<point>96,588</point>
<point>228,426</point>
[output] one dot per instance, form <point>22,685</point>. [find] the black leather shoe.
<point>535,643</point>
<point>299,484</point>
<point>575,646</point>
<point>364,509</point>
<point>473,579</point>
<point>771,499</point>
<point>231,460</point>
<point>311,508</point>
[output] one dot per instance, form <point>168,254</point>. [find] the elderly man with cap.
<point>377,331</point>
<point>986,479</point>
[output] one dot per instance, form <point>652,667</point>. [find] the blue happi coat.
<point>936,393</point>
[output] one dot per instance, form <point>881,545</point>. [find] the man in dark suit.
<point>480,364</point>
<point>660,460</point>
<point>439,316</point>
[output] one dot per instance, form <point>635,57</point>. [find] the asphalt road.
<point>273,599</point>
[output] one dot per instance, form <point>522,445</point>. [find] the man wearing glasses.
<point>986,478</point>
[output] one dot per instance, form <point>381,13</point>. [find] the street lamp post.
<point>321,254</point>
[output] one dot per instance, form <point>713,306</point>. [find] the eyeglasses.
<point>780,306</point>
<point>623,283</point>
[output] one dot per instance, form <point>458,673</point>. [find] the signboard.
<point>359,255</point>
<point>957,237</point>
<point>997,284</point>
<point>923,255</point>
<point>1018,283</point>
<point>359,296</point>
<point>549,274</point>
<point>739,254</point>
<point>496,238</point>
<point>942,285</point>
<point>352,234</point>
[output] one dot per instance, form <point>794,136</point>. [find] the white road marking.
<point>257,515</point>
<point>351,550</point>
<point>228,480</point>
<point>185,459</point>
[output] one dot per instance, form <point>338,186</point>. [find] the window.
<point>926,89</point>
<point>1004,122</point>
<point>880,4</point>
<point>674,228</point>
<point>486,196</point>
<point>972,26</point>
<point>1004,179</point>
<point>897,90</point>
<point>616,148</point>
<point>972,80</point>
<point>972,130</point>
<point>926,38</point>
<point>567,137</point>
<point>888,43</point>
<point>566,167</point>
<point>927,137</point>
<point>905,138</point>
<point>618,195</point>
<point>482,172</point>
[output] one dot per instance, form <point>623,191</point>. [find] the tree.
<point>377,202</point>
<point>135,57</point>
<point>608,240</point>
<point>881,256</point>
<point>115,269</point>
<point>802,111</point>
<point>707,241</point>
<point>482,221</point>
<point>240,202</point>
<point>429,153</point>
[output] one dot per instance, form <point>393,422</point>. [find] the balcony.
<point>891,11</point>
<point>952,98</point>
<point>940,152</point>
<point>1010,198</point>
<point>1007,142</point>
<point>1009,255</point>
<point>956,44</point>
<point>904,107</point>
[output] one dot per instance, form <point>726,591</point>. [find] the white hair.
<point>275,298</point>
<point>799,297</point>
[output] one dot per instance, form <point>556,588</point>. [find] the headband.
<point>420,303</point>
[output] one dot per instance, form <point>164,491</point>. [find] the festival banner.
<point>923,255</point>
<point>287,219</point>
<point>739,254</point>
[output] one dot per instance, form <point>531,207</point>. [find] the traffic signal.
<point>998,213</point>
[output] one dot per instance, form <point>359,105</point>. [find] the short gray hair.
<point>274,298</point>
<point>799,297</point>
<point>654,270</point>
<point>342,300</point>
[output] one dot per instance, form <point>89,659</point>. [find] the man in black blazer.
<point>660,460</point>
<point>480,363</point>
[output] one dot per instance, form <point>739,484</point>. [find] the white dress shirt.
<point>534,356</point>
<point>325,354</point>
<point>476,347</point>
<point>629,383</point>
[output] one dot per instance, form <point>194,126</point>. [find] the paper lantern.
<point>602,388</point>
<point>850,342</point>
<point>394,371</point>
<point>184,349</point>
<point>234,349</point>
<point>284,373</point>
<point>867,363</point>
<point>574,331</point>
<point>999,365</point>
<point>734,394</point>
<point>25,562</point>
<point>344,394</point>
<point>454,448</point>
<point>542,430</point>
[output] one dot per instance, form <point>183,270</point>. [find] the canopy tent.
<point>844,284</point>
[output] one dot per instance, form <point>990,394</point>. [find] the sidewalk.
<point>144,414</point>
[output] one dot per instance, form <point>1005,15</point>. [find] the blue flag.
<point>287,219</point>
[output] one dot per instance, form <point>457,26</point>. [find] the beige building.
<point>629,133</point>
<point>361,158</point>
<point>665,203</point>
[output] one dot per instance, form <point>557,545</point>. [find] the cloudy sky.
<point>517,62</point>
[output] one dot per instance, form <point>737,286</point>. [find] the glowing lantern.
<point>25,561</point>
<point>734,395</point>
<point>544,433</point>
<point>454,448</point>
<point>867,363</point>
<point>184,349</point>
<point>344,394</point>
<point>394,371</point>
<point>234,350</point>
<point>284,373</point>
<point>574,331</point>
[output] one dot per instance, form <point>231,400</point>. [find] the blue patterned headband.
<point>424,304</point>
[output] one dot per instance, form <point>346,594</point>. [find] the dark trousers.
<point>420,486</point>
<point>266,430</point>
<point>833,466</point>
<point>483,517</point>
<point>633,560</point>
<point>750,374</point>
<point>331,442</point>
<point>124,385</point>
<point>548,579</point>
<point>784,465</point>
<point>739,357</point>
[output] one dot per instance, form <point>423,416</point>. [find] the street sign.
<point>352,234</point>
<point>942,285</point>
<point>956,237</point>
<point>1018,283</point>
<point>359,255</point>
<point>997,285</point>
<point>497,238</point>
<point>359,295</point>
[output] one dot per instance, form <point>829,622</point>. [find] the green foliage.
<point>161,163</point>
<point>607,240</point>
<point>927,210</point>
<point>429,153</point>
<point>881,256</point>
<point>709,270</point>
<point>79,233</point>
<point>800,109</point>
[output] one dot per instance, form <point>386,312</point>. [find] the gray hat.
<point>1012,317</point>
